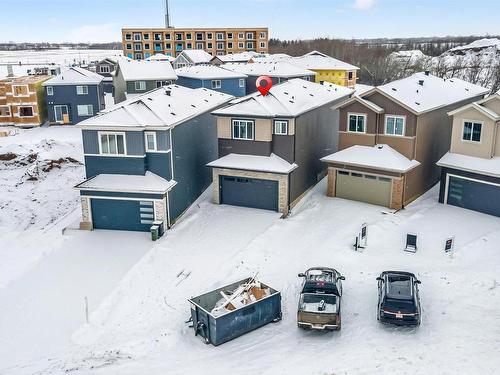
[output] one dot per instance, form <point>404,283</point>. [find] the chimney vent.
<point>427,72</point>
<point>421,82</point>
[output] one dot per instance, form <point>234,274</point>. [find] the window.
<point>241,45</point>
<point>157,36</point>
<point>472,131</point>
<point>137,36</point>
<point>147,46</point>
<point>209,45</point>
<point>350,76</point>
<point>241,36</point>
<point>105,69</point>
<point>150,140</point>
<point>178,36</point>
<point>281,127</point>
<point>26,111</point>
<point>262,35</point>
<point>161,83</point>
<point>199,45</point>
<point>250,45</point>
<point>188,36</point>
<point>262,44</point>
<point>220,45</point>
<point>241,82</point>
<point>138,56</point>
<point>356,122</point>
<point>243,129</point>
<point>168,36</point>
<point>250,36</point>
<point>146,36</point>
<point>157,46</point>
<point>4,111</point>
<point>199,36</point>
<point>19,90</point>
<point>219,36</point>
<point>189,45</point>
<point>82,90</point>
<point>229,35</point>
<point>168,45</point>
<point>128,36</point>
<point>137,46</point>
<point>229,44</point>
<point>140,85</point>
<point>394,125</point>
<point>128,46</point>
<point>209,35</point>
<point>85,110</point>
<point>50,90</point>
<point>216,84</point>
<point>112,143</point>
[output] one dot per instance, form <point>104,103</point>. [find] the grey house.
<point>145,158</point>
<point>105,68</point>
<point>135,77</point>
<point>73,96</point>
<point>270,146</point>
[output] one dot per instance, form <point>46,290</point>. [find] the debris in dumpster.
<point>243,295</point>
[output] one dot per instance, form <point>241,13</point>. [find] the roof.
<point>381,157</point>
<point>149,183</point>
<point>160,57</point>
<point>367,103</point>
<point>288,99</point>
<point>196,56</point>
<point>490,167</point>
<point>237,57</point>
<point>166,106</point>
<point>479,106</point>
<point>278,69</point>
<point>207,72</point>
<point>135,70</point>
<point>25,80</point>
<point>360,89</point>
<point>75,76</point>
<point>319,61</point>
<point>272,163</point>
<point>431,94</point>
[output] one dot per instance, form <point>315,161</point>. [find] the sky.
<point>102,20</point>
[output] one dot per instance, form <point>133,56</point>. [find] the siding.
<point>90,142</point>
<point>163,140</point>
<point>236,146</point>
<point>355,107</point>
<point>159,163</point>
<point>284,147</point>
<point>134,142</point>
<point>483,149</point>
<point>228,85</point>
<point>120,194</point>
<point>95,165</point>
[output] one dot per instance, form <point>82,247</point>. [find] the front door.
<point>61,114</point>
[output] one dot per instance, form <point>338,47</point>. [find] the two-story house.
<point>392,136</point>
<point>270,146</point>
<point>106,67</point>
<point>190,57</point>
<point>278,71</point>
<point>136,77</point>
<point>73,96</point>
<point>145,158</point>
<point>212,77</point>
<point>470,172</point>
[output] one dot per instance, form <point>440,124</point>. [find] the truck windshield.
<point>319,303</point>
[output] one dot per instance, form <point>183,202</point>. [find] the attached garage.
<point>363,187</point>
<point>249,192</point>
<point>122,214</point>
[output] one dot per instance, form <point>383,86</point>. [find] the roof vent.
<point>421,82</point>
<point>394,89</point>
<point>427,72</point>
<point>417,103</point>
<point>466,89</point>
<point>192,105</point>
<point>172,113</point>
<point>380,147</point>
<point>168,92</point>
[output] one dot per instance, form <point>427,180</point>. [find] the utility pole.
<point>167,15</point>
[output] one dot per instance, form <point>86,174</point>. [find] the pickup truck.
<point>319,301</point>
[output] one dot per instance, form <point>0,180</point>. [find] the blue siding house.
<point>145,158</point>
<point>212,77</point>
<point>74,96</point>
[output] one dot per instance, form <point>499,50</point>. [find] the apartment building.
<point>143,43</point>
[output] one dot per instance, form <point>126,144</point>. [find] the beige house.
<point>470,176</point>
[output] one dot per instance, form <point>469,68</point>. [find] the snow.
<point>288,99</point>
<point>489,167</point>
<point>197,56</point>
<point>272,163</point>
<point>479,44</point>
<point>136,70</point>
<point>149,183</point>
<point>319,61</point>
<point>207,72</point>
<point>381,157</point>
<point>74,76</point>
<point>160,57</point>
<point>241,57</point>
<point>434,93</point>
<point>360,89</point>
<point>278,69</point>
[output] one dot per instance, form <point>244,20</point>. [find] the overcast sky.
<point>101,20</point>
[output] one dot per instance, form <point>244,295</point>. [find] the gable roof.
<point>478,107</point>
<point>278,69</point>
<point>160,57</point>
<point>207,72</point>
<point>237,57</point>
<point>319,61</point>
<point>75,76</point>
<point>367,103</point>
<point>166,106</point>
<point>288,99</point>
<point>431,94</point>
<point>135,70</point>
<point>272,163</point>
<point>196,56</point>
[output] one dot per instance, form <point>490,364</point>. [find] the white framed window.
<point>220,45</point>
<point>140,85</point>
<point>250,45</point>
<point>82,90</point>
<point>112,143</point>
<point>356,122</point>
<point>262,44</point>
<point>229,35</point>
<point>209,36</point>
<point>150,141</point>
<point>472,131</point>
<point>26,111</point>
<point>199,45</point>
<point>219,36</point>
<point>105,69</point>
<point>262,35</point>
<point>216,84</point>
<point>137,46</point>
<point>129,46</point>
<point>85,110</point>
<point>137,36</point>
<point>162,83</point>
<point>243,129</point>
<point>5,111</point>
<point>241,82</point>
<point>20,90</point>
<point>128,36</point>
<point>281,127</point>
<point>50,90</point>
<point>241,45</point>
<point>395,125</point>
<point>241,36</point>
<point>250,36</point>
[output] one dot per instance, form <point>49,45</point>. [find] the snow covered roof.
<point>73,76</point>
<point>423,92</point>
<point>135,70</point>
<point>207,72</point>
<point>160,57</point>
<point>238,57</point>
<point>361,89</point>
<point>479,107</point>
<point>367,103</point>
<point>381,157</point>
<point>271,69</point>
<point>319,61</point>
<point>267,57</point>
<point>272,163</point>
<point>149,183</point>
<point>288,99</point>
<point>479,44</point>
<point>490,167</point>
<point>166,106</point>
<point>197,56</point>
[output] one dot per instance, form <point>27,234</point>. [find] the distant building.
<point>74,96</point>
<point>192,57</point>
<point>22,101</point>
<point>141,43</point>
<point>106,68</point>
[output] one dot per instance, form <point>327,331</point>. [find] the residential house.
<point>145,158</point>
<point>106,67</point>
<point>278,71</point>
<point>392,136</point>
<point>137,77</point>
<point>470,172</point>
<point>22,101</point>
<point>161,57</point>
<point>73,96</point>
<point>212,77</point>
<point>236,58</point>
<point>270,146</point>
<point>191,58</point>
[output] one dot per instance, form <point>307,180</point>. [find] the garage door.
<point>364,188</point>
<point>474,195</point>
<point>122,214</point>
<point>249,192</point>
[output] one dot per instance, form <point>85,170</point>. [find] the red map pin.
<point>264,84</point>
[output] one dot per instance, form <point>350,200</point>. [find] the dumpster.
<point>220,315</point>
